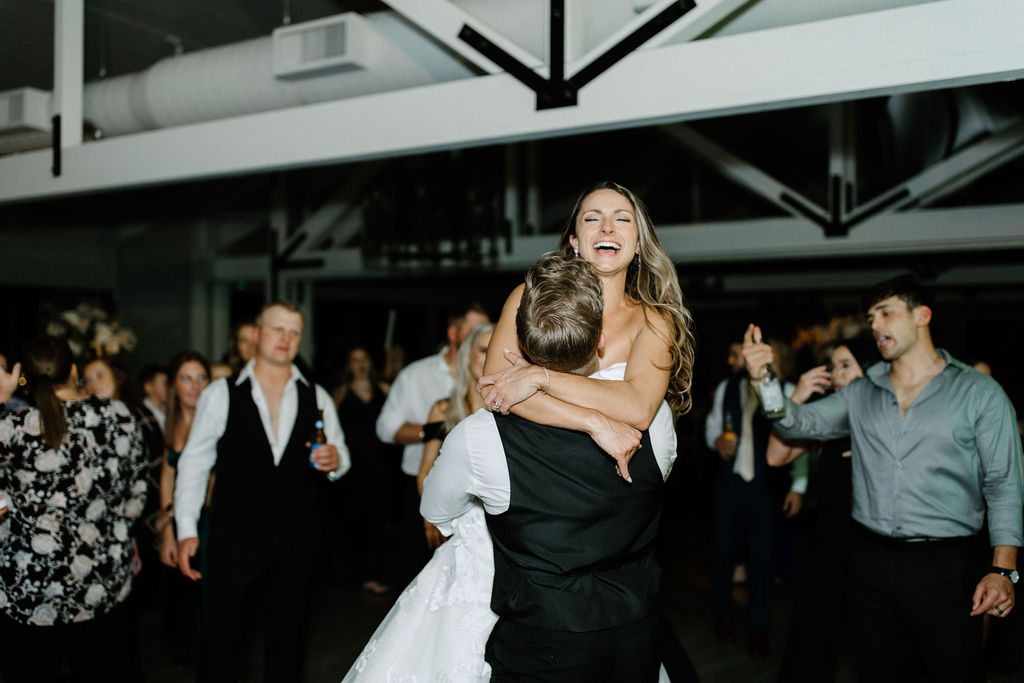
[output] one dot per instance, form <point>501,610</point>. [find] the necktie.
<point>745,451</point>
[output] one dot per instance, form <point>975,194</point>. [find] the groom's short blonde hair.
<point>560,315</point>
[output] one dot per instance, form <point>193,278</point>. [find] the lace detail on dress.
<point>439,626</point>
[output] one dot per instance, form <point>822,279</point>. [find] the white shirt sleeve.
<point>332,430</point>
<point>714,423</point>
<point>199,457</point>
<point>392,415</point>
<point>446,490</point>
<point>471,466</point>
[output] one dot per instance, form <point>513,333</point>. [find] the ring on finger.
<point>999,609</point>
<point>496,405</point>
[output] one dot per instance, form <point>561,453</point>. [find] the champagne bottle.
<point>773,403</point>
<point>318,438</point>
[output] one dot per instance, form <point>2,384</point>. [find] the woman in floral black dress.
<point>73,469</point>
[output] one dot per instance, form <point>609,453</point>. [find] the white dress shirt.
<point>415,391</point>
<point>158,413</point>
<point>472,463</point>
<point>714,425</point>
<point>200,454</point>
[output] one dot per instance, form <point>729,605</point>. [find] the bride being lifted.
<point>438,627</point>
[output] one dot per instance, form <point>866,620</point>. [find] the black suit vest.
<point>575,550</point>
<point>251,495</point>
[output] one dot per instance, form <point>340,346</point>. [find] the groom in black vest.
<point>575,574</point>
<point>266,515</point>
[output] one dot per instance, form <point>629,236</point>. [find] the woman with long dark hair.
<point>816,637</point>
<point>368,492</point>
<point>73,469</point>
<point>188,375</point>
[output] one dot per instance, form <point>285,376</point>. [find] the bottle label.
<point>772,401</point>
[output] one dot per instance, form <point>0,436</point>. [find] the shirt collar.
<point>247,371</point>
<point>879,372</point>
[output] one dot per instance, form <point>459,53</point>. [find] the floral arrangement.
<point>817,337</point>
<point>90,330</point>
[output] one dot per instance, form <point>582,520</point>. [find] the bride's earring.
<point>576,251</point>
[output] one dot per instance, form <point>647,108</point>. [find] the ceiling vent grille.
<point>333,44</point>
<point>24,109</point>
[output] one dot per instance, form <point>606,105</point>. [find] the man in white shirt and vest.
<point>266,513</point>
<point>575,575</point>
<point>402,421</point>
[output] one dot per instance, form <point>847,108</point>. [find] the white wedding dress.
<point>438,627</point>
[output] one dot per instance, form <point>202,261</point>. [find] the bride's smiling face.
<point>606,231</point>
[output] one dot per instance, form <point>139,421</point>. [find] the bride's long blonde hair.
<point>459,406</point>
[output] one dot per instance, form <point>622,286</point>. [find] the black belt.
<point>911,542</point>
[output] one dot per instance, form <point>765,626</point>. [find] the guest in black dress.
<point>820,623</point>
<point>367,496</point>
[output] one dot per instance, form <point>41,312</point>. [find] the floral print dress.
<point>65,545</point>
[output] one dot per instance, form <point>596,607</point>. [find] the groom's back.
<point>575,550</point>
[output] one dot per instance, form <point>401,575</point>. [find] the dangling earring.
<point>576,251</point>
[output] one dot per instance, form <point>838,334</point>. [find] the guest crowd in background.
<point>93,531</point>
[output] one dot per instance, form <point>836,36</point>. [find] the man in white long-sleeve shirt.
<point>402,421</point>
<point>266,514</point>
<point>575,574</point>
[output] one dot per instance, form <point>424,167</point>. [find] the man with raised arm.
<point>575,577</point>
<point>266,514</point>
<point>934,446</point>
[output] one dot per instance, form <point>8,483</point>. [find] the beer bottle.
<point>318,438</point>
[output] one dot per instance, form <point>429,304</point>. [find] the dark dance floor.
<point>345,618</point>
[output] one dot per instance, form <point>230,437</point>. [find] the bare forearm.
<point>621,400</point>
<point>408,433</point>
<point>1004,556</point>
<point>553,412</point>
<point>781,453</point>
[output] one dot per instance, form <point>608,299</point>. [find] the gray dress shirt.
<point>931,474</point>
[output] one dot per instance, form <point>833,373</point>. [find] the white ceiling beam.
<point>937,231</point>
<point>920,47</point>
<point>934,231</point>
<point>444,19</point>
<point>691,25</point>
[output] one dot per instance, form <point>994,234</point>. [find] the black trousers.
<point>746,522</point>
<point>910,606</point>
<point>264,583</point>
<point>521,654</point>
<point>101,649</point>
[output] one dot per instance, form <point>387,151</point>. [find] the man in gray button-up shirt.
<point>935,445</point>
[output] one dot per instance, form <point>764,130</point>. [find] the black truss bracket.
<point>55,133</point>
<point>556,90</point>
<point>835,225</point>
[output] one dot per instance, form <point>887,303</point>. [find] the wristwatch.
<point>1011,574</point>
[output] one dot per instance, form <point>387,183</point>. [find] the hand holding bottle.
<point>322,455</point>
<point>725,444</point>
<point>758,357</point>
<point>756,353</point>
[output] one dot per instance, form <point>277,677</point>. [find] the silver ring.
<point>999,609</point>
<point>496,405</point>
